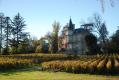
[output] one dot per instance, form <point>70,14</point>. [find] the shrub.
<point>101,64</point>
<point>13,50</point>
<point>93,66</point>
<point>11,63</point>
<point>53,65</point>
<point>109,64</point>
<point>116,64</point>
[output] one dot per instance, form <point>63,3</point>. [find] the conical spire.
<point>71,26</point>
<point>70,22</point>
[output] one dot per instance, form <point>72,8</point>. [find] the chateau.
<point>73,40</point>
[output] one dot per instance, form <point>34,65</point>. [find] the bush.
<point>41,49</point>
<point>116,64</point>
<point>109,64</point>
<point>13,50</point>
<point>12,63</point>
<point>101,65</point>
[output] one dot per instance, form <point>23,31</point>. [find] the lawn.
<point>32,74</point>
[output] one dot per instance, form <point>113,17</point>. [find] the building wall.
<point>74,42</point>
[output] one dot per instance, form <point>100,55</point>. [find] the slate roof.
<point>80,30</point>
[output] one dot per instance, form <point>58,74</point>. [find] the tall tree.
<point>7,33</point>
<point>49,37</point>
<point>53,37</point>
<point>2,24</point>
<point>100,27</point>
<point>56,28</point>
<point>18,29</point>
<point>114,42</point>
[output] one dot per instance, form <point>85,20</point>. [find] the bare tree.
<point>102,2</point>
<point>100,27</point>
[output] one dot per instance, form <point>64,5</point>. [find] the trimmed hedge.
<point>11,63</point>
<point>102,65</point>
<point>39,58</point>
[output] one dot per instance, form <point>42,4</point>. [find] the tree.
<point>102,2</point>
<point>101,29</point>
<point>114,42</point>
<point>24,46</point>
<point>54,37</point>
<point>18,27</point>
<point>49,37</point>
<point>7,34</point>
<point>34,44</point>
<point>91,42</point>
<point>43,47</point>
<point>2,24</point>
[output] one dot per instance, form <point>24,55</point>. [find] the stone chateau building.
<point>73,40</point>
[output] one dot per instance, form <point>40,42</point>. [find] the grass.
<point>32,74</point>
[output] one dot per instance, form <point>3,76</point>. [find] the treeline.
<point>13,38</point>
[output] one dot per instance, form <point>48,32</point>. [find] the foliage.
<point>11,33</point>
<point>38,58</point>
<point>102,64</point>
<point>7,33</point>
<point>13,50</point>
<point>2,24</point>
<point>43,47</point>
<point>12,63</point>
<point>53,38</point>
<point>91,42</point>
<point>100,27</point>
<point>114,42</point>
<point>19,24</point>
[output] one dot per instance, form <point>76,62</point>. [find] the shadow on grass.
<point>17,71</point>
<point>36,68</point>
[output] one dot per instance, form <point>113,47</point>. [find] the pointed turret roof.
<point>70,22</point>
<point>71,25</point>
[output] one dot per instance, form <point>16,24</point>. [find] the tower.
<point>70,30</point>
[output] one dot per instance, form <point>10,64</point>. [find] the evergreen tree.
<point>2,24</point>
<point>7,34</point>
<point>18,30</point>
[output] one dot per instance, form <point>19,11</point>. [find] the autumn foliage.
<point>96,64</point>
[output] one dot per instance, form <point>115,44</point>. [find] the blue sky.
<point>40,14</point>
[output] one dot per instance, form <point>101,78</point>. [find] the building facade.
<point>73,40</point>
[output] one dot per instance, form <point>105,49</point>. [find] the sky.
<point>39,15</point>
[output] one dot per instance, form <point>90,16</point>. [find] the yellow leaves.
<point>11,63</point>
<point>101,64</point>
<point>116,63</point>
<point>62,62</point>
<point>109,64</point>
<point>94,64</point>
<point>104,63</point>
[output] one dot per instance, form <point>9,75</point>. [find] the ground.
<point>32,74</point>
